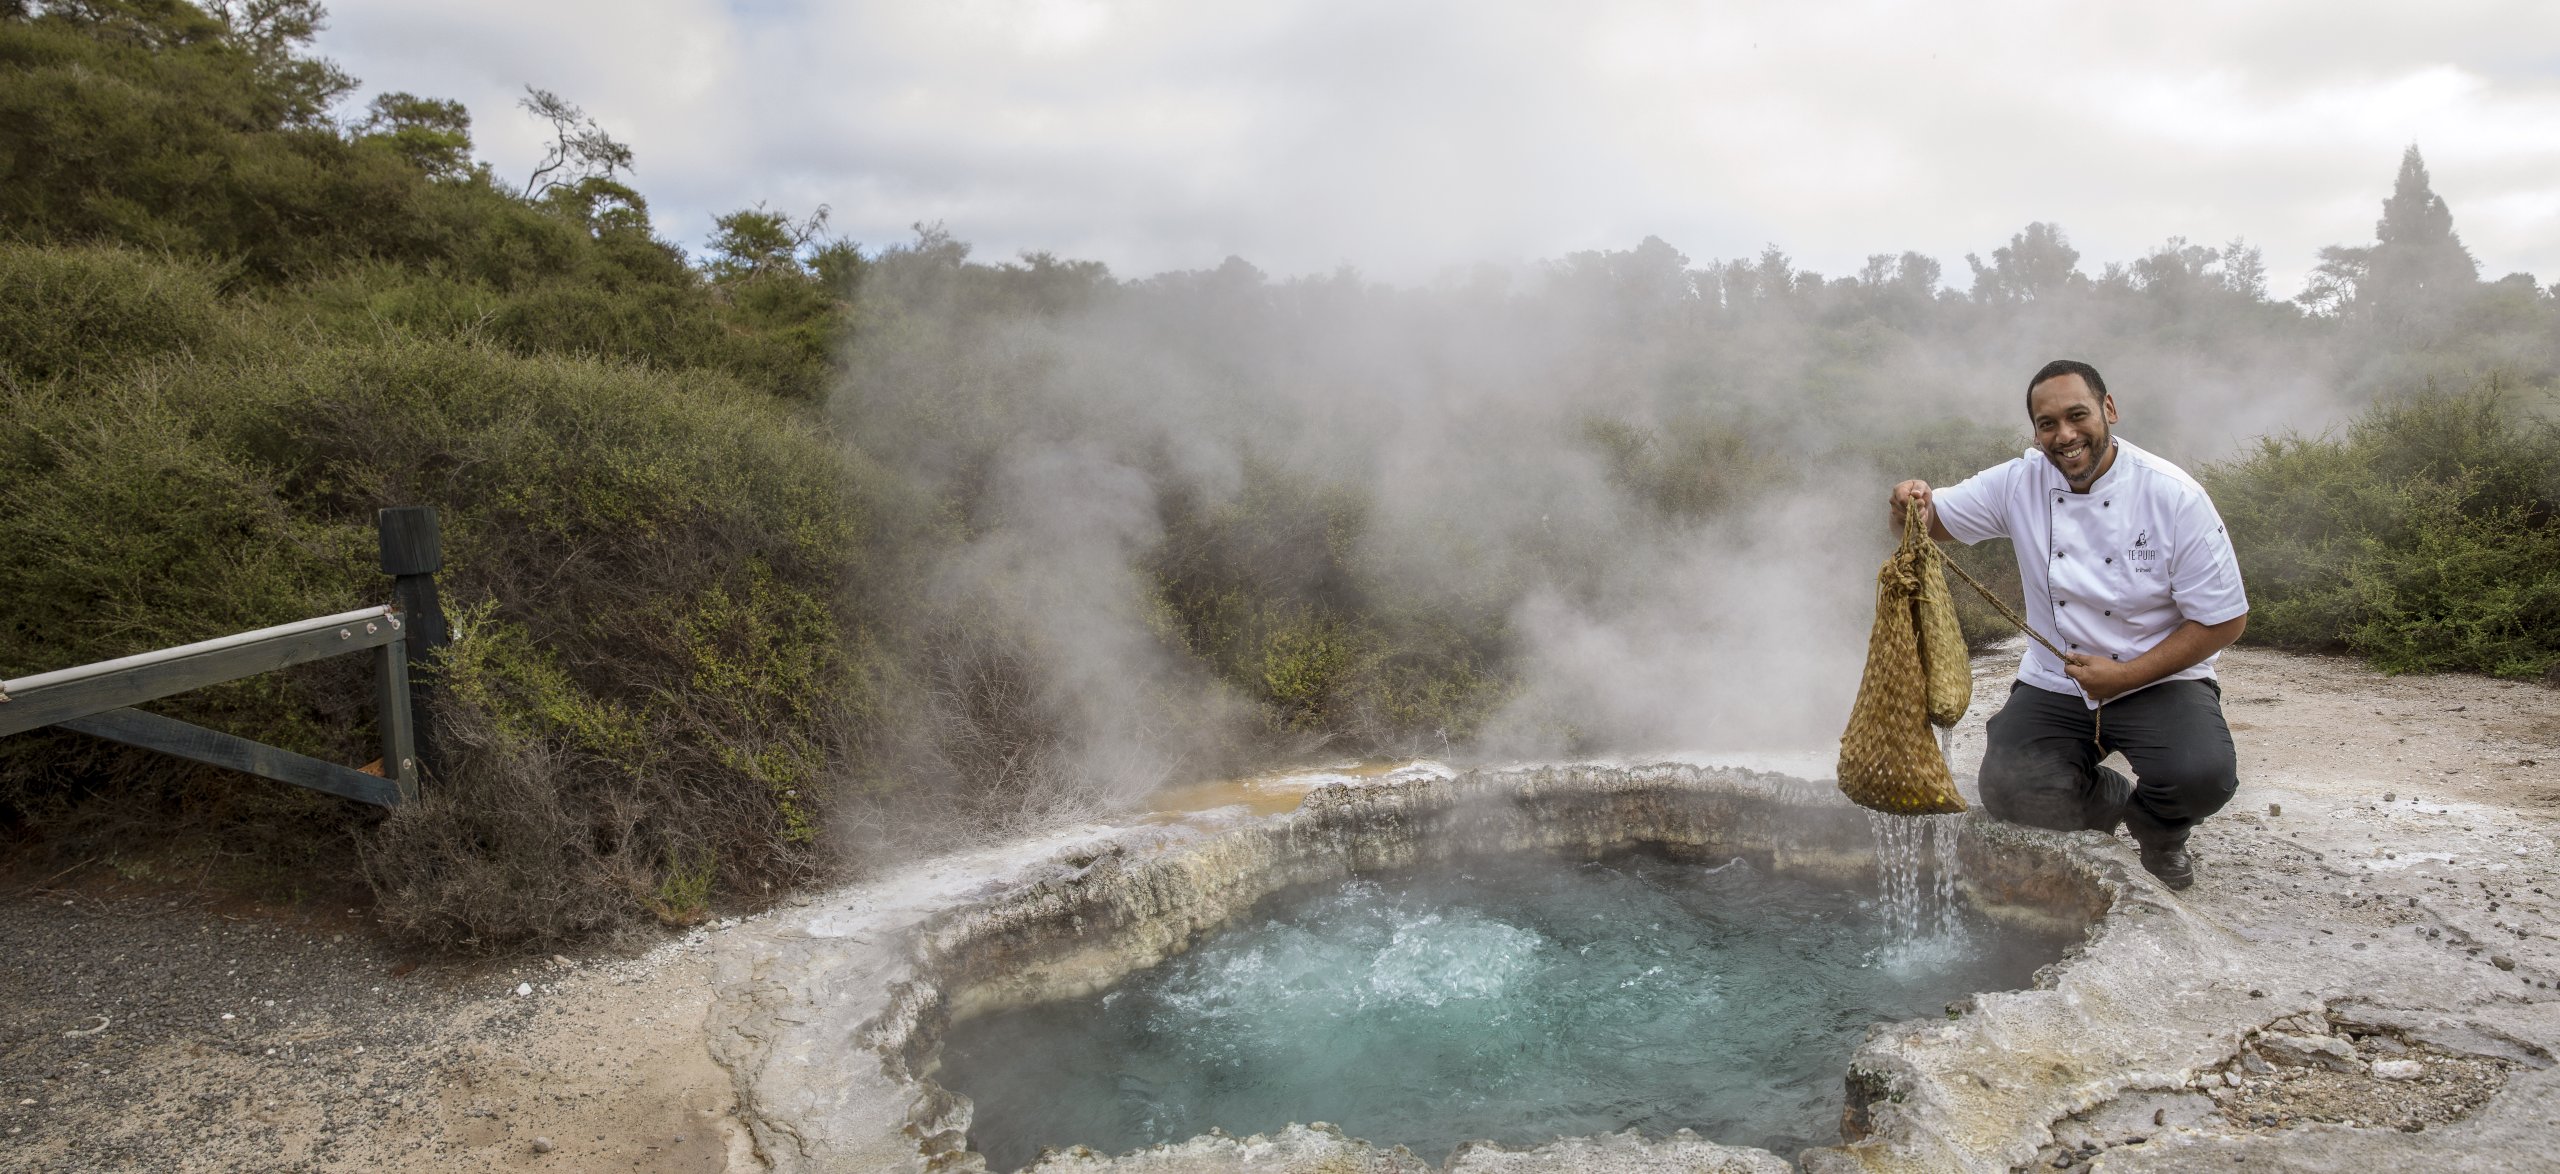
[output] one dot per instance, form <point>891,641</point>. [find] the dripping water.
<point>1917,866</point>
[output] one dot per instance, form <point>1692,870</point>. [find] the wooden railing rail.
<point>98,699</point>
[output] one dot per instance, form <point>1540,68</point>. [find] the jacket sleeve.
<point>2204,573</point>
<point>1977,507</point>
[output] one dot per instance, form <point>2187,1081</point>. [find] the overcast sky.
<point>1407,139</point>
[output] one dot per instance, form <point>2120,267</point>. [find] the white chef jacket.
<point>2110,572</point>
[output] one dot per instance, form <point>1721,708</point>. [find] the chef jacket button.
<point>2075,646</point>
<point>2111,613</point>
<point>2106,503</point>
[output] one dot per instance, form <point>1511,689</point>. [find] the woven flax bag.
<point>1917,673</point>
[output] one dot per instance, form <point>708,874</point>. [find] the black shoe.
<point>2173,866</point>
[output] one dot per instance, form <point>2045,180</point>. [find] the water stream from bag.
<point>1514,999</point>
<point>1917,904</point>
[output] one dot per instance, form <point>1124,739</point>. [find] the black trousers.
<point>2041,766</point>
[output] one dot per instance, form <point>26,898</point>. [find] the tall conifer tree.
<point>2418,261</point>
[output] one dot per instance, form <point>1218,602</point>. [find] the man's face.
<point>2072,425</point>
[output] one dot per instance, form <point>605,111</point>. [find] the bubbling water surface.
<point>1513,999</point>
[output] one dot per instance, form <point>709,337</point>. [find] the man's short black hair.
<point>2060,367</point>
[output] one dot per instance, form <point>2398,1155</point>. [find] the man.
<point>2128,571</point>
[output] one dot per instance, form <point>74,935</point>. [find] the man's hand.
<point>1916,491</point>
<point>1906,492</point>
<point>2188,645</point>
<point>2100,677</point>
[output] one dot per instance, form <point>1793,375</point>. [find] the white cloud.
<point>1409,137</point>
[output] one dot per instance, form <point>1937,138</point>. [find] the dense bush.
<point>671,643</point>
<point>659,574</point>
<point>2426,537</point>
<point>70,312</point>
<point>130,523</point>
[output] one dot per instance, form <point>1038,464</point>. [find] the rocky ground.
<point>149,1028</point>
<point>145,1030</point>
<point>2391,832</point>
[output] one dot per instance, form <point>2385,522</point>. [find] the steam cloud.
<point>1462,417</point>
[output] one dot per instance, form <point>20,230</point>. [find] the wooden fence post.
<point>412,553</point>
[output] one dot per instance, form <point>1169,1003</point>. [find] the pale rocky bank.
<point>2365,979</point>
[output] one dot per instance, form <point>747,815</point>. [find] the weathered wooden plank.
<point>187,740</point>
<point>52,698</point>
<point>412,541</point>
<point>391,707</point>
<point>412,552</point>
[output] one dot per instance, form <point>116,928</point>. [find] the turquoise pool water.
<point>1515,999</point>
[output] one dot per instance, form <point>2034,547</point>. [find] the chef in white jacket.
<point>2128,570</point>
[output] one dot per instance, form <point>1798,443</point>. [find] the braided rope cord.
<point>1914,515</point>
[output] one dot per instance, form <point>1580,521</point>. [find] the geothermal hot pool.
<point>1512,998</point>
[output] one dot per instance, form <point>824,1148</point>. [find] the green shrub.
<point>127,527</point>
<point>662,572</point>
<point>1304,660</point>
<point>2423,539</point>
<point>68,311</point>
<point>671,326</point>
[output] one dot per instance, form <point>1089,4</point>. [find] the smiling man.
<point>2127,570</point>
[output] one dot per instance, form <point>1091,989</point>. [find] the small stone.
<point>2304,1051</point>
<point>2388,797</point>
<point>2275,808</point>
<point>523,989</point>
<point>542,1145</point>
<point>2502,962</point>
<point>2255,1064</point>
<point>2397,1069</point>
<point>2232,1079</point>
<point>2255,993</point>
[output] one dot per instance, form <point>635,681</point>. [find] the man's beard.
<point>2099,451</point>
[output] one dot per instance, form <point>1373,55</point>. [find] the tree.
<point>758,242</point>
<point>2244,269</point>
<point>603,205</point>
<point>2177,267</point>
<point>2418,260</point>
<point>272,33</point>
<point>580,149</point>
<point>1900,288</point>
<point>2337,280</point>
<point>2414,274</point>
<point>2036,263</point>
<point>433,134</point>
